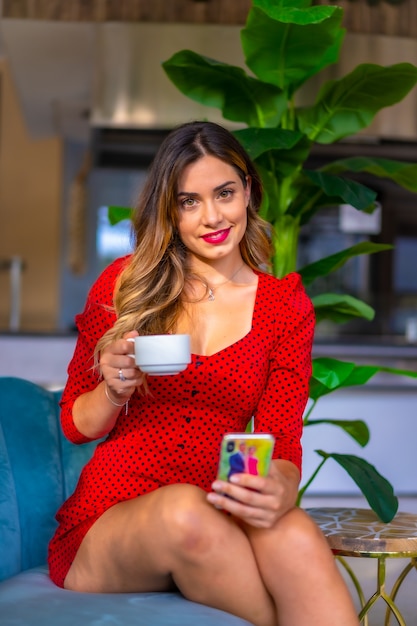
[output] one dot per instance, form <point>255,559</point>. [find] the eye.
<point>187,203</point>
<point>226,193</point>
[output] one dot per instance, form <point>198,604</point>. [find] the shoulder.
<point>99,312</point>
<point>288,290</point>
<point>103,288</point>
<point>285,307</point>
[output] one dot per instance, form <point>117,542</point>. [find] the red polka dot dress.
<point>173,434</point>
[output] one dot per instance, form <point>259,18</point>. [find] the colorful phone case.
<point>245,452</point>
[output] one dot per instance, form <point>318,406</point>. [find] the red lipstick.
<point>218,237</point>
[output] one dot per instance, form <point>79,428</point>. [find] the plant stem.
<point>309,412</point>
<point>310,480</point>
<point>285,240</point>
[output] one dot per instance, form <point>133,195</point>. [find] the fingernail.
<point>213,499</point>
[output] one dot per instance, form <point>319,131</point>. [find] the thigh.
<point>173,538</point>
<point>126,549</point>
<point>139,544</point>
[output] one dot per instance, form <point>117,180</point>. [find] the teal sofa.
<point>38,470</point>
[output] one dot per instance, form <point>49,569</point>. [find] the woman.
<point>148,513</point>
<point>252,461</point>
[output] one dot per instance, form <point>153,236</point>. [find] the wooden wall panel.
<point>383,18</point>
<point>187,11</point>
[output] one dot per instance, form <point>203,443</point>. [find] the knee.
<point>194,525</point>
<point>298,533</point>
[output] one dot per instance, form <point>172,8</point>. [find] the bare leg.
<point>171,538</point>
<point>301,574</point>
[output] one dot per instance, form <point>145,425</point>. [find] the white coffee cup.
<point>162,355</point>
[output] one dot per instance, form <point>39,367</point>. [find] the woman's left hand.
<point>258,500</point>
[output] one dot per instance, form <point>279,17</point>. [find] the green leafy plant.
<point>285,43</point>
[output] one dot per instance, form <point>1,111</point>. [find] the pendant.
<point>211,294</point>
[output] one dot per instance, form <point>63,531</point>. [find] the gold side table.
<point>359,533</point>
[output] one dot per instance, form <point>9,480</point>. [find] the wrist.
<point>107,393</point>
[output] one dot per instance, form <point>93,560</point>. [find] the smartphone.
<point>249,453</point>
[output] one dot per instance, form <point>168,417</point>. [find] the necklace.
<point>211,289</point>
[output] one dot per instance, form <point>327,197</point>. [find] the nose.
<point>212,214</point>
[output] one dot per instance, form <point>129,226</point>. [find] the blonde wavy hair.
<point>147,295</point>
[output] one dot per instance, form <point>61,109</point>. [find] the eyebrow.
<point>218,188</point>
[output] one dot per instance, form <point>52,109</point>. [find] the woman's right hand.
<point>96,412</point>
<point>117,366</point>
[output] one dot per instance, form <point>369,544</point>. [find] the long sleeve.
<point>98,317</point>
<point>282,404</point>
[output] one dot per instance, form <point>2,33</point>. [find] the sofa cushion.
<point>30,598</point>
<point>38,470</point>
<point>10,543</point>
<point>73,457</point>
<point>28,419</point>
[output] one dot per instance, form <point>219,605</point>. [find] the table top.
<point>359,532</point>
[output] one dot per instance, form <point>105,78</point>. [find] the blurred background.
<point>84,104</point>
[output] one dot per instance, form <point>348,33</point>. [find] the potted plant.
<point>285,43</point>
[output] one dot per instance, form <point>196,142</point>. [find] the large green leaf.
<point>376,489</point>
<point>346,106</point>
<point>277,153</point>
<point>359,196</point>
<point>240,97</point>
<point>318,189</point>
<point>404,174</point>
<point>361,372</point>
<point>258,141</point>
<point>332,374</point>
<point>357,429</point>
<point>285,45</point>
<point>340,308</point>
<point>331,263</point>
